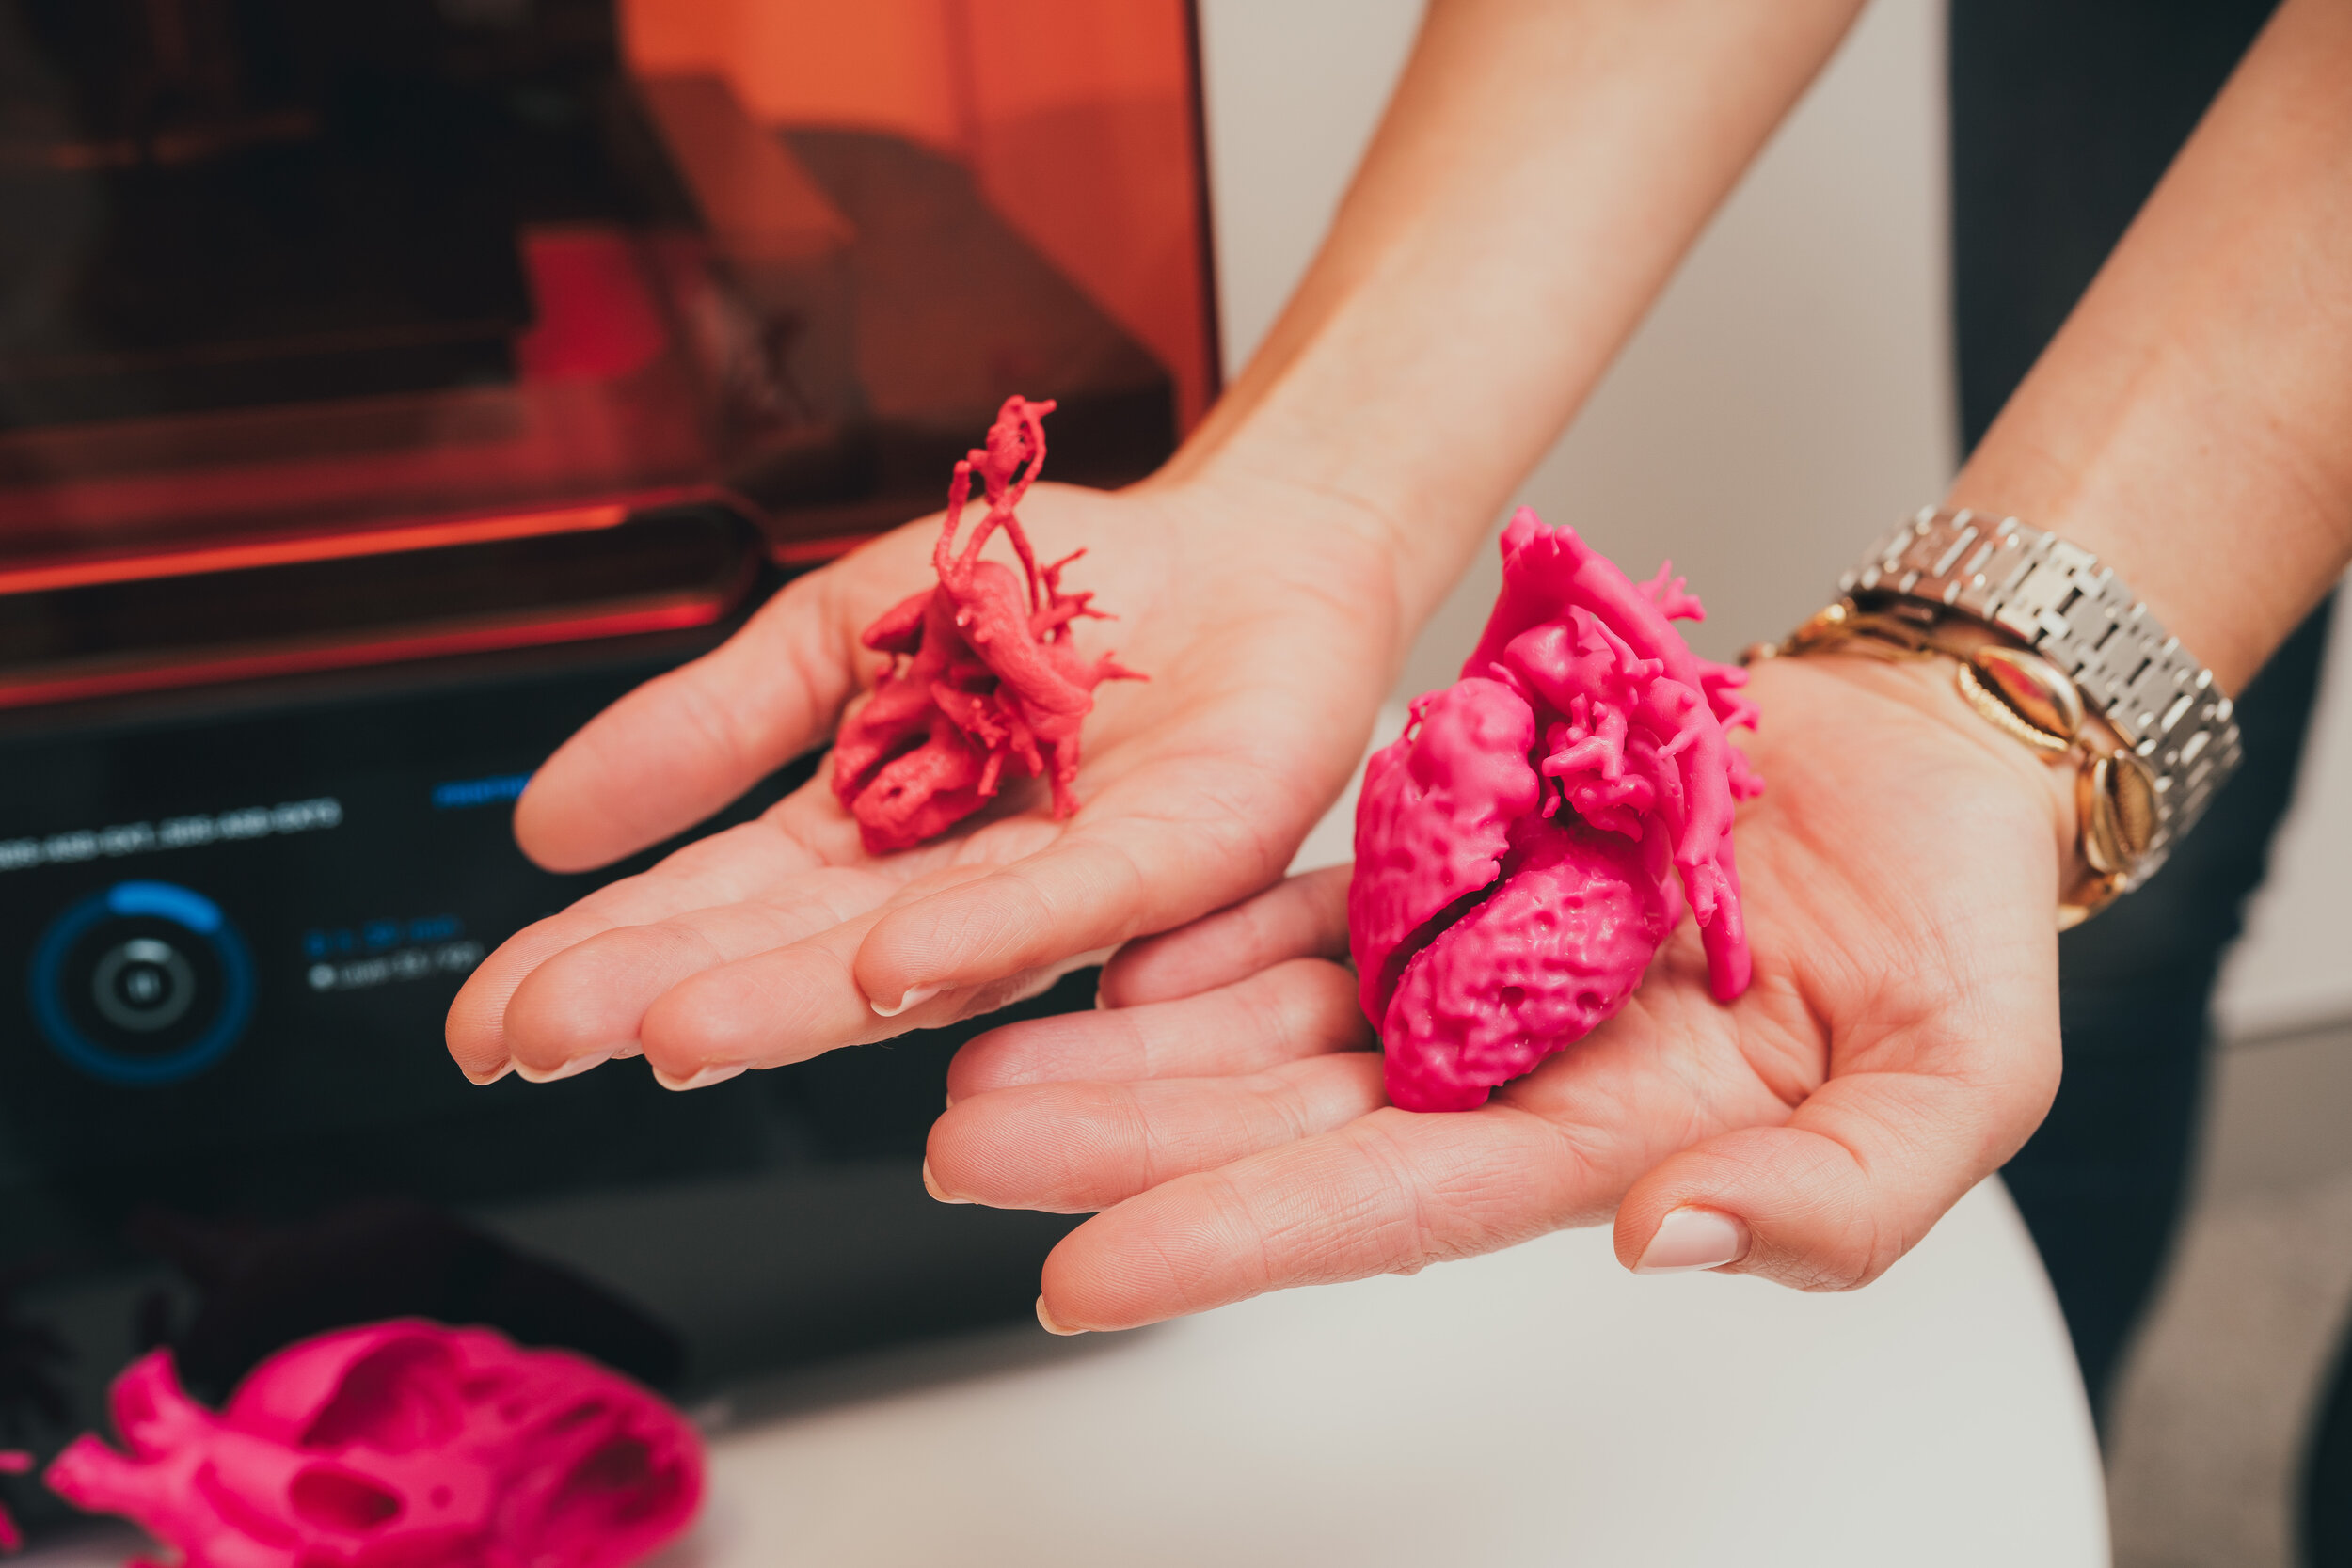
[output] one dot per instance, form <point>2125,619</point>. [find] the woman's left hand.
<point>1898,1042</point>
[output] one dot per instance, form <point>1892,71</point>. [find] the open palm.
<point>1268,651</point>
<point>1898,1042</point>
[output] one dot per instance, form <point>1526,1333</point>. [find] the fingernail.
<point>702,1079</point>
<point>914,998</point>
<point>951,1102</point>
<point>572,1069</point>
<point>1046,1319</point>
<point>1691,1239</point>
<point>481,1082</point>
<point>931,1185</point>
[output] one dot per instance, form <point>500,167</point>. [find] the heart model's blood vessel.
<point>1517,851</point>
<point>983,676</point>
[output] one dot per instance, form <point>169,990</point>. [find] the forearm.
<point>1542,168</point>
<point>2192,424</point>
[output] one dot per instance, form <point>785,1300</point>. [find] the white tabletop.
<point>1538,1407</point>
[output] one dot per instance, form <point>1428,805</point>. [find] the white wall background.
<point>1790,395</point>
<point>2294,969</point>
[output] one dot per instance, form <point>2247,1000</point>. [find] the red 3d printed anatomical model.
<point>1515,850</point>
<point>396,1446</point>
<point>983,677</point>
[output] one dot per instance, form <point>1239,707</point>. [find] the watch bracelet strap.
<point>2060,602</point>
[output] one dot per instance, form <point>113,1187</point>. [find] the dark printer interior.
<point>384,386</point>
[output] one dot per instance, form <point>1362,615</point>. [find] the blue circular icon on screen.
<point>145,984</point>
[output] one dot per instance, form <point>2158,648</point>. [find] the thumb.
<point>686,743</point>
<point>1830,1199</point>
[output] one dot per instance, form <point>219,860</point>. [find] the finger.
<point>587,1004</point>
<point>1079,894</point>
<point>1110,876</point>
<point>1386,1194</point>
<point>1300,917</point>
<point>1302,1009</point>
<point>772,1007</point>
<point>792,1002</point>
<point>685,743</point>
<point>1831,1199</point>
<point>1071,1148</point>
<point>725,868</point>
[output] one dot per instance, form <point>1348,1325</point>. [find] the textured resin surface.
<point>983,676</point>
<point>1543,825</point>
<point>396,1446</point>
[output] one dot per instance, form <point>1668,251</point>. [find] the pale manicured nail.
<point>481,1082</point>
<point>1691,1239</point>
<point>914,998</point>
<point>572,1069</point>
<point>951,1102</point>
<point>703,1078</point>
<point>931,1185</point>
<point>1046,1319</point>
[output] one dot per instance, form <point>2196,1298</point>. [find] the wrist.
<point>2060,654</point>
<point>1321,539</point>
<point>1925,687</point>
<point>2206,600</point>
<point>1419,501</point>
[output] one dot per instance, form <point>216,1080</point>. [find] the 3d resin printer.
<point>384,386</point>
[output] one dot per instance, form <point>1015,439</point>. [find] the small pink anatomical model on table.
<point>13,1462</point>
<point>1517,851</point>
<point>403,1444</point>
<point>983,677</point>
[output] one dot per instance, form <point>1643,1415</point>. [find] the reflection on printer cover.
<point>385,387</point>
<point>387,257</point>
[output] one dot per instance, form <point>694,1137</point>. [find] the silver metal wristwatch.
<point>2056,652</point>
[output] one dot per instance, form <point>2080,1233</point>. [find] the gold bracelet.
<point>2032,702</point>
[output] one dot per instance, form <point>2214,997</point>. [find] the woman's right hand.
<point>1270,627</point>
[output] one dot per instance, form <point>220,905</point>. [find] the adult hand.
<point>1269,645</point>
<point>1900,1042</point>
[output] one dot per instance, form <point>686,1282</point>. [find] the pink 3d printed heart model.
<point>983,676</point>
<point>1515,850</point>
<point>396,1446</point>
